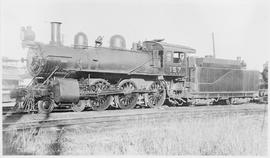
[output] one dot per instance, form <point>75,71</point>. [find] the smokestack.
<point>56,33</point>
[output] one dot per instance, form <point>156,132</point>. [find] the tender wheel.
<point>228,102</point>
<point>101,102</point>
<point>157,98</point>
<point>80,106</point>
<point>127,100</point>
<point>46,105</point>
<point>179,102</point>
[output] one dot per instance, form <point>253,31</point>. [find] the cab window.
<point>178,57</point>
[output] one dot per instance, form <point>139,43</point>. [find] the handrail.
<point>141,65</point>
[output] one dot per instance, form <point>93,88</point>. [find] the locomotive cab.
<point>172,58</point>
<point>174,61</point>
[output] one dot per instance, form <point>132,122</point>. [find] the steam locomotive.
<point>151,73</point>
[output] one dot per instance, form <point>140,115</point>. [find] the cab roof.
<point>169,47</point>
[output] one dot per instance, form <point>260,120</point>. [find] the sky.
<point>241,27</point>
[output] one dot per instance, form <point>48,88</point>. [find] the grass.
<point>229,135</point>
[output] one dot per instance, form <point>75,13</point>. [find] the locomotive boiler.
<point>97,77</point>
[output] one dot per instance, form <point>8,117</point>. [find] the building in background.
<point>14,74</point>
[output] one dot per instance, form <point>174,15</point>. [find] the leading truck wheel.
<point>101,103</point>
<point>45,106</point>
<point>79,107</point>
<point>158,95</point>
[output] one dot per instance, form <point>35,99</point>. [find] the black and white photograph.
<point>134,77</point>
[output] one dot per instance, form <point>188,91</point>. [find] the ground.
<point>232,134</point>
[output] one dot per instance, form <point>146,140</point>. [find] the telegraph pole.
<point>213,39</point>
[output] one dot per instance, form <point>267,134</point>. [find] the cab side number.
<point>175,69</point>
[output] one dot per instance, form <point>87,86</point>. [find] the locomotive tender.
<point>149,74</point>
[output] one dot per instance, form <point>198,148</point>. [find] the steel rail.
<point>122,117</point>
<point>128,111</point>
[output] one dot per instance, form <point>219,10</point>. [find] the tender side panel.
<point>229,80</point>
<point>251,80</point>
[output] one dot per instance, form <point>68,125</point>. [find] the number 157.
<point>175,69</point>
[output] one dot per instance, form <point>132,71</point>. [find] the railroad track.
<point>109,118</point>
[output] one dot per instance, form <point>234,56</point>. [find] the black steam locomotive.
<point>152,72</point>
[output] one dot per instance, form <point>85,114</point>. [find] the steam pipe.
<point>214,50</point>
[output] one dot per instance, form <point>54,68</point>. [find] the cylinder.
<point>66,90</point>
